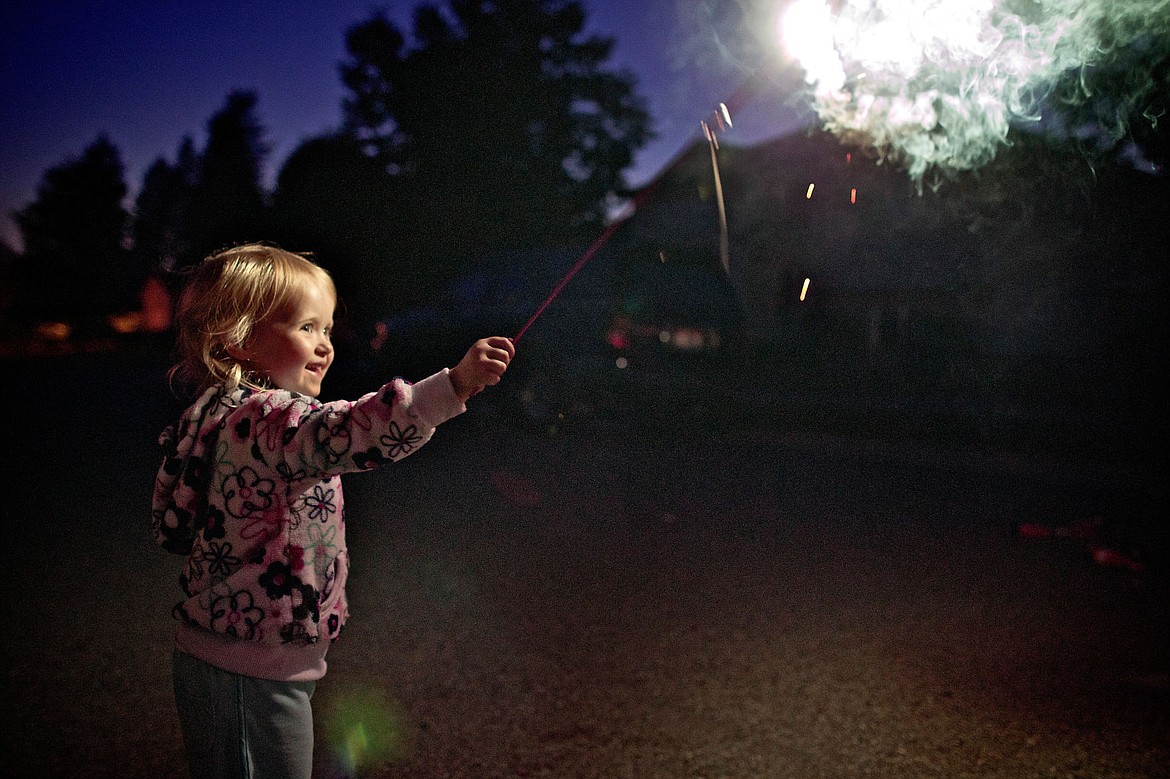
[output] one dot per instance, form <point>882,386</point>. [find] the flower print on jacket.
<point>296,557</point>
<point>194,569</point>
<point>400,442</point>
<point>319,503</point>
<point>236,615</point>
<point>246,493</point>
<point>320,542</point>
<point>249,489</point>
<point>220,560</point>
<point>213,526</point>
<point>288,474</point>
<point>278,581</point>
<point>269,525</point>
<point>334,439</point>
<point>174,529</point>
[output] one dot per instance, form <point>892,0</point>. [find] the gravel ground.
<point>614,604</point>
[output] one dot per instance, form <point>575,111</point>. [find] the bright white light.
<point>806,30</point>
<point>935,84</point>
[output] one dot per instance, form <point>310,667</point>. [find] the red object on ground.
<point>1033,530</point>
<point>1103,555</point>
<point>1084,529</point>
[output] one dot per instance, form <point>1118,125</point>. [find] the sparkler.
<point>722,119</point>
<point>935,85</point>
<point>577,266</point>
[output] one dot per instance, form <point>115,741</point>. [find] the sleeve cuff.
<point>434,400</point>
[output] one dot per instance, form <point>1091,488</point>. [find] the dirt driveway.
<point>610,604</point>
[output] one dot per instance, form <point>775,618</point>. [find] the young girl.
<point>249,491</point>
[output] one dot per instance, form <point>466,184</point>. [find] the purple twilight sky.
<point>148,73</point>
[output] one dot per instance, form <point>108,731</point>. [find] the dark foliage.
<point>227,202</point>
<point>502,124</point>
<point>75,265</point>
<point>160,234</point>
<point>337,201</point>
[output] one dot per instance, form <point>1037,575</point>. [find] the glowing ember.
<point>725,114</point>
<point>808,195</point>
<point>804,289</point>
<point>853,195</point>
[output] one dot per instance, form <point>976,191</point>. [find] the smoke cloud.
<point>935,85</point>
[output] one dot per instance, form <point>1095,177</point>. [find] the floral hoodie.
<point>250,491</point>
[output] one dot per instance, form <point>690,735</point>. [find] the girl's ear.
<point>237,352</point>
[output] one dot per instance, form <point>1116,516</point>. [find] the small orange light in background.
<point>853,195</point>
<point>804,289</point>
<point>125,324</point>
<point>53,331</point>
<point>808,195</point>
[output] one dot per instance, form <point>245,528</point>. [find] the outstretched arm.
<point>483,365</point>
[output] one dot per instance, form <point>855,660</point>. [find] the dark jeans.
<point>240,727</point>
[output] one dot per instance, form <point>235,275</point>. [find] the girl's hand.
<point>483,365</point>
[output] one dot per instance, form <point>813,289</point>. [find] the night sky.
<point>149,73</point>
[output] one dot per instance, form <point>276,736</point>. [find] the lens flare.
<point>364,731</point>
<point>936,84</point>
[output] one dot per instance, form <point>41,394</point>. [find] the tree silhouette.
<point>335,200</point>
<point>160,212</point>
<point>502,123</point>
<point>75,264</point>
<point>227,204</point>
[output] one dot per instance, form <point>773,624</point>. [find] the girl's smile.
<point>293,349</point>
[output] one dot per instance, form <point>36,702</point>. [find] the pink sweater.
<point>250,491</point>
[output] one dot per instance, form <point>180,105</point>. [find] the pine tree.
<point>503,122</point>
<point>160,213</point>
<point>75,265</point>
<point>228,202</point>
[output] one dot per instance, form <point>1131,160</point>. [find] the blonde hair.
<point>229,293</point>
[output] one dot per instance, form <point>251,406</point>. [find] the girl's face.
<point>293,350</point>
